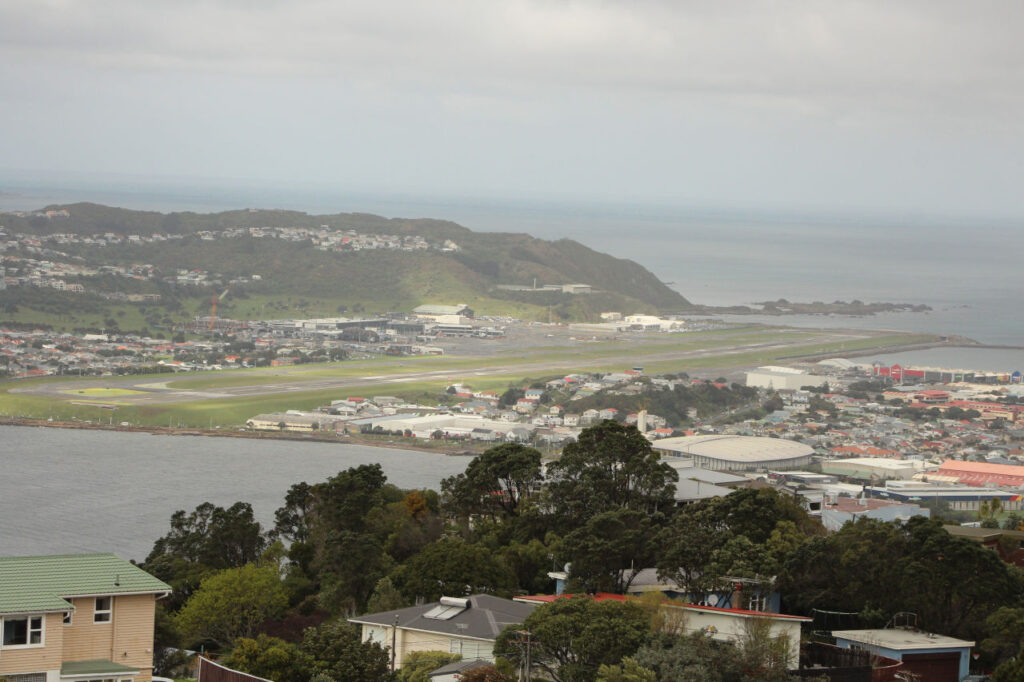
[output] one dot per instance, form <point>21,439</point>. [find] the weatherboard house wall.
<point>76,618</point>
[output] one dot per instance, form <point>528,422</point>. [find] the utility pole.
<point>394,637</point>
<point>524,640</point>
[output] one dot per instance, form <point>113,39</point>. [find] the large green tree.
<point>349,551</point>
<point>605,552</point>
<point>610,466</point>
<point>951,583</point>
<point>454,568</point>
<point>232,603</point>
<point>270,658</point>
<point>336,649</point>
<point>213,536</point>
<point>697,657</point>
<point>495,483</point>
<point>571,638</point>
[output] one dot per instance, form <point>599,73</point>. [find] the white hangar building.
<point>782,378</point>
<point>738,453</point>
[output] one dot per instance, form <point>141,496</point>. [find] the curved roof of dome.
<point>736,448</point>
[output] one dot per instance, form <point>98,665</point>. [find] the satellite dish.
<point>713,599</point>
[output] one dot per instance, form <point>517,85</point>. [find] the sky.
<point>905,107</point>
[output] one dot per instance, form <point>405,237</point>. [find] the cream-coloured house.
<point>466,626</point>
<point>76,618</point>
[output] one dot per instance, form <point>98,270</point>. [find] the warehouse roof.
<point>41,583</point>
<point>736,448</point>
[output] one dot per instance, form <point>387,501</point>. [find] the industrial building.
<point>983,473</point>
<point>738,453</point>
<point>782,378</point>
<point>958,497</point>
<point>873,468</point>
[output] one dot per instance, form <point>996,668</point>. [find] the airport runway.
<point>282,381</point>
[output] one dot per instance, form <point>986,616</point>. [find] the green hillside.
<point>298,279</point>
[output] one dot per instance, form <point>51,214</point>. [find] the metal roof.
<point>485,618</point>
<point>900,639</point>
<point>95,667</point>
<point>36,584</point>
<point>748,449</point>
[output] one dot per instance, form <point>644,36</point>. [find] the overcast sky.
<point>840,106</point>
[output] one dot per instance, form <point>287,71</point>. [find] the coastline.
<point>453,450</point>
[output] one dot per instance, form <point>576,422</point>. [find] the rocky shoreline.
<point>460,449</point>
<point>782,307</point>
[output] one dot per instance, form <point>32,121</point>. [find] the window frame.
<point>108,612</point>
<point>28,617</point>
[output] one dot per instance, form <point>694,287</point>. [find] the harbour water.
<point>68,491</point>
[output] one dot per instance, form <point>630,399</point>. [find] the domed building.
<point>738,453</point>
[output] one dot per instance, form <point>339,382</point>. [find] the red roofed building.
<point>982,474</point>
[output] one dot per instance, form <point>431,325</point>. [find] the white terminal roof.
<point>899,639</point>
<point>879,463</point>
<point>736,448</point>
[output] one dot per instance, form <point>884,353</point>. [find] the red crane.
<point>213,309</point>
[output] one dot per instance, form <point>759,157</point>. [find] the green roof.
<point>35,584</point>
<point>94,667</point>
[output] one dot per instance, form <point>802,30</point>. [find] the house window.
<point>102,612</point>
<point>67,617</point>
<point>455,646</point>
<point>25,631</point>
<point>27,677</point>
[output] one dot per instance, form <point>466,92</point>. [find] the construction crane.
<point>213,309</point>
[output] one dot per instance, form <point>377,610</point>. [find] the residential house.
<point>932,657</point>
<point>77,618</point>
<point>724,624</point>
<point>465,626</point>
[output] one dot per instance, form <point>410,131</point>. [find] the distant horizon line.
<point>174,195</point>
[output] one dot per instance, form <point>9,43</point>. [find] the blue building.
<point>935,658</point>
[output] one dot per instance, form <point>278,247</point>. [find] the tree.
<point>418,664</point>
<point>349,552</point>
<point>270,658</point>
<point>385,597</point>
<point>700,658</point>
<point>610,466</point>
<point>453,568</point>
<point>213,536</point>
<point>629,671</point>
<point>484,673</point>
<point>232,603</point>
<point>291,521</point>
<point>604,552</point>
<point>572,637</point>
<point>336,649</point>
<point>496,481</point>
<point>951,583</point>
<point>688,545</point>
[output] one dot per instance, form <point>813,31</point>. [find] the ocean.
<point>70,491</point>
